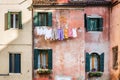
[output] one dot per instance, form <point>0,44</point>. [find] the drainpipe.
<point>32,46</point>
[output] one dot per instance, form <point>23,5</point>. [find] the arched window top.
<point>94,54</point>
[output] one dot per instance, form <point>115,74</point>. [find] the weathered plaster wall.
<point>99,41</point>
<point>68,55</point>
<point>115,40</point>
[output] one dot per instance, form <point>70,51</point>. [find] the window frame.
<point>16,24</point>
<point>14,63</point>
<point>87,62</point>
<point>36,20</point>
<point>115,57</point>
<point>99,27</point>
<point>36,54</point>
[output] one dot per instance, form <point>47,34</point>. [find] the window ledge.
<point>94,31</point>
<point>95,74</point>
<point>15,74</point>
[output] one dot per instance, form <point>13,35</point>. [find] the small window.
<point>43,59</point>
<point>94,62</point>
<point>14,63</point>
<point>14,20</point>
<point>42,19</point>
<point>94,24</point>
<point>115,57</point>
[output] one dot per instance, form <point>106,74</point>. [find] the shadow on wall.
<point>13,37</point>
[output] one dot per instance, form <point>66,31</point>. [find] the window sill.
<point>15,74</point>
<point>94,31</point>
<point>95,74</point>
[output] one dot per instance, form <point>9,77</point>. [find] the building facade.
<point>59,40</point>
<point>71,38</point>
<point>15,40</point>
<point>115,41</point>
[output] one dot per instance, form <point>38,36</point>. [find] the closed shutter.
<point>88,24</point>
<point>10,63</point>
<point>20,20</point>
<point>36,52</point>
<point>17,64</point>
<point>87,65</point>
<point>49,18</point>
<point>100,24</point>
<point>9,20</point>
<point>102,62</point>
<point>50,59</point>
<point>35,19</point>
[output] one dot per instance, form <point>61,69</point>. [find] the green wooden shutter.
<point>9,20</point>
<point>49,18</point>
<point>35,19</point>
<point>88,24</point>
<point>50,59</point>
<point>100,24</point>
<point>17,64</point>
<point>85,22</point>
<point>36,52</point>
<point>10,63</point>
<point>87,65</point>
<point>20,20</point>
<point>102,62</point>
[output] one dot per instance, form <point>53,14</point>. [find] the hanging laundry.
<point>74,32</point>
<point>66,33</point>
<point>37,30</point>
<point>48,34</point>
<point>60,34</point>
<point>70,33</point>
<point>44,29</point>
<point>54,34</point>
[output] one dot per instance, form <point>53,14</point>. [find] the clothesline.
<point>56,33</point>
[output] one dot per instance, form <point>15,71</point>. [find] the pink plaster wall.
<point>99,41</point>
<point>115,40</point>
<point>68,55</point>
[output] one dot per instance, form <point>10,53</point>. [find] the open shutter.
<point>88,24</point>
<point>100,24</point>
<point>17,64</point>
<point>85,22</point>
<point>10,63</point>
<point>102,62</point>
<point>36,52</point>
<point>20,20</point>
<point>87,65</point>
<point>35,18</point>
<point>49,18</point>
<point>50,59</point>
<point>9,20</point>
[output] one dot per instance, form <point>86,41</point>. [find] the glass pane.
<point>93,25</point>
<point>17,21</point>
<point>11,21</point>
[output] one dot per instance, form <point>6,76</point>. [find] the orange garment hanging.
<point>66,33</point>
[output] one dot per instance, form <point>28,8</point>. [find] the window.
<point>94,62</point>
<point>42,19</point>
<point>115,57</point>
<point>14,20</point>
<point>43,59</point>
<point>14,63</point>
<point>94,24</point>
